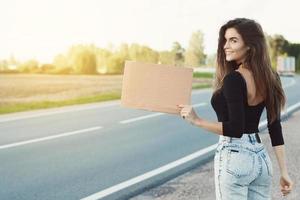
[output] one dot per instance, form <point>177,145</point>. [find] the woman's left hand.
<point>188,113</point>
<point>286,184</point>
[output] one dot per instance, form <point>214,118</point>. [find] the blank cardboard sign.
<point>156,87</point>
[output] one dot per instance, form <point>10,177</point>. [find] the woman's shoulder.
<point>234,86</point>
<point>233,77</point>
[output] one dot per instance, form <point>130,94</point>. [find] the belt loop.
<point>250,138</point>
<point>257,138</point>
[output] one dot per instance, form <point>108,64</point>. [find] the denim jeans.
<point>243,169</point>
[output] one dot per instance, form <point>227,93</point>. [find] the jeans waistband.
<point>248,137</point>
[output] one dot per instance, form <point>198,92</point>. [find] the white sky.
<point>41,29</point>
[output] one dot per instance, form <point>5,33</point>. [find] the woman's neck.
<point>242,66</point>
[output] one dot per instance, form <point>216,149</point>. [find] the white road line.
<point>53,111</point>
<point>290,109</point>
<point>199,104</point>
<point>153,115</point>
<point>140,118</point>
<point>164,168</point>
<point>149,174</point>
<point>6,146</point>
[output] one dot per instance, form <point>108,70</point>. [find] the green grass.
<point>51,104</point>
<point>203,75</point>
<point>82,100</point>
<point>201,86</point>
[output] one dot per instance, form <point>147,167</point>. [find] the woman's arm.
<point>234,94</point>
<point>280,155</point>
<point>189,114</point>
<point>215,127</point>
<point>286,182</point>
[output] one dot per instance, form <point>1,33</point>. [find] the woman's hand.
<point>187,112</point>
<point>286,184</point>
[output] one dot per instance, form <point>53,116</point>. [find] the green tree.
<point>47,68</point>
<point>194,55</point>
<point>117,60</point>
<point>166,57</point>
<point>62,65</point>
<point>30,66</point>
<point>278,46</point>
<point>61,61</point>
<point>298,63</point>
<point>294,50</point>
<point>124,51</point>
<point>115,64</point>
<point>82,58</point>
<point>143,53</point>
<point>103,56</point>
<point>178,54</point>
<point>86,62</point>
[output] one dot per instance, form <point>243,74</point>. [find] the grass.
<point>203,75</point>
<point>24,92</point>
<point>202,86</point>
<point>52,104</point>
<point>82,100</point>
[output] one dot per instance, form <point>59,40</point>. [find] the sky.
<point>41,29</point>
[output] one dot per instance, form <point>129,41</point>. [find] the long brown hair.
<point>267,81</point>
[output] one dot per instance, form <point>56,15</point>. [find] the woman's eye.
<point>233,41</point>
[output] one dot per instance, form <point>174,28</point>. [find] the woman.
<point>244,85</point>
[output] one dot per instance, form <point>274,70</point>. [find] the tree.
<point>86,62</point>
<point>116,61</point>
<point>115,64</point>
<point>103,56</point>
<point>60,61</point>
<point>294,50</point>
<point>62,65</point>
<point>29,66</point>
<point>298,63</point>
<point>166,57</point>
<point>278,46</point>
<point>178,54</point>
<point>194,55</point>
<point>143,53</point>
<point>82,58</point>
<point>124,51</point>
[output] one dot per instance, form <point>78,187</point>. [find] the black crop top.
<point>231,107</point>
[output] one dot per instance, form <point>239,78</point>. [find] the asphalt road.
<point>101,150</point>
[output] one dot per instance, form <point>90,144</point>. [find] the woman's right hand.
<point>286,184</point>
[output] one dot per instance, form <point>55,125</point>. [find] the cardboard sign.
<point>156,87</point>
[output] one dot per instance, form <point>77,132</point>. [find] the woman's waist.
<point>247,137</point>
<point>249,141</point>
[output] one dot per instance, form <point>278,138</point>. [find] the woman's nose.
<point>226,45</point>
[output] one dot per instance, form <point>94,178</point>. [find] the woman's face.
<point>234,47</point>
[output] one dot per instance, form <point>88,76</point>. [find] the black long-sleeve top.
<point>237,117</point>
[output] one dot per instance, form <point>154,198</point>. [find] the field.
<point>19,92</point>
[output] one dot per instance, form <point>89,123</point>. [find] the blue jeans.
<point>243,169</point>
